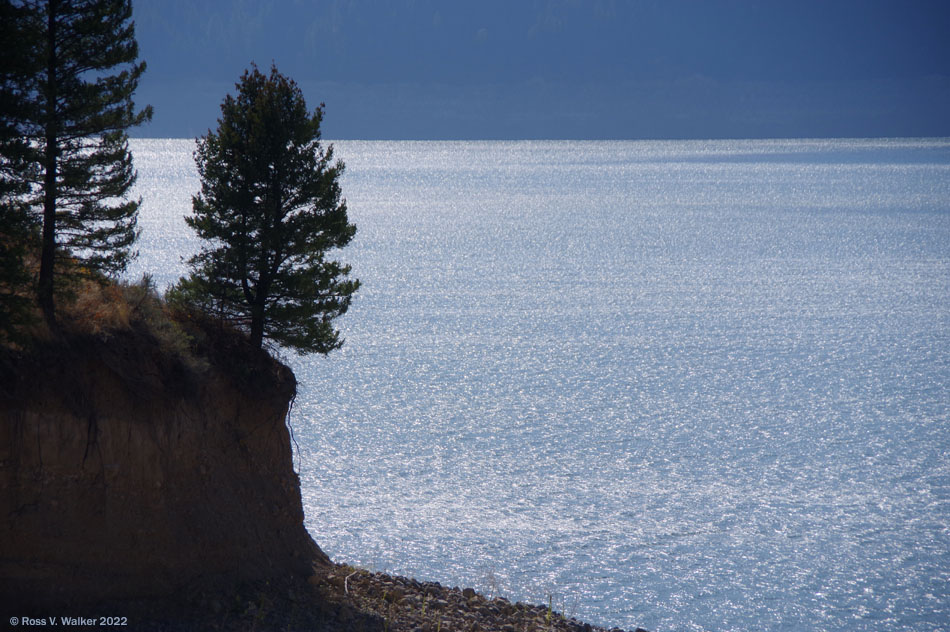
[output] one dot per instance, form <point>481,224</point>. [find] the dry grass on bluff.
<point>100,313</point>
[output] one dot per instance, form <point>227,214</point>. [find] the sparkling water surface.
<point>681,385</point>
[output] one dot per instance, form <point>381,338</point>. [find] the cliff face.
<point>127,473</point>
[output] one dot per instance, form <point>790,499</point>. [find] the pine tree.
<point>270,209</point>
<point>16,229</point>
<point>74,115</point>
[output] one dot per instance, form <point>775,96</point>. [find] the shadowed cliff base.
<point>146,472</point>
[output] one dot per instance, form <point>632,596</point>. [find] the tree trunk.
<point>257,314</point>
<point>257,326</point>
<point>48,255</point>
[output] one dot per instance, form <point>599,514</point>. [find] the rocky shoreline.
<point>408,605</point>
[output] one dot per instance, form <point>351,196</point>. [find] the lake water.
<point>680,385</point>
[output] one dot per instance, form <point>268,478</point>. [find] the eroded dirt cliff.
<point>128,472</point>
